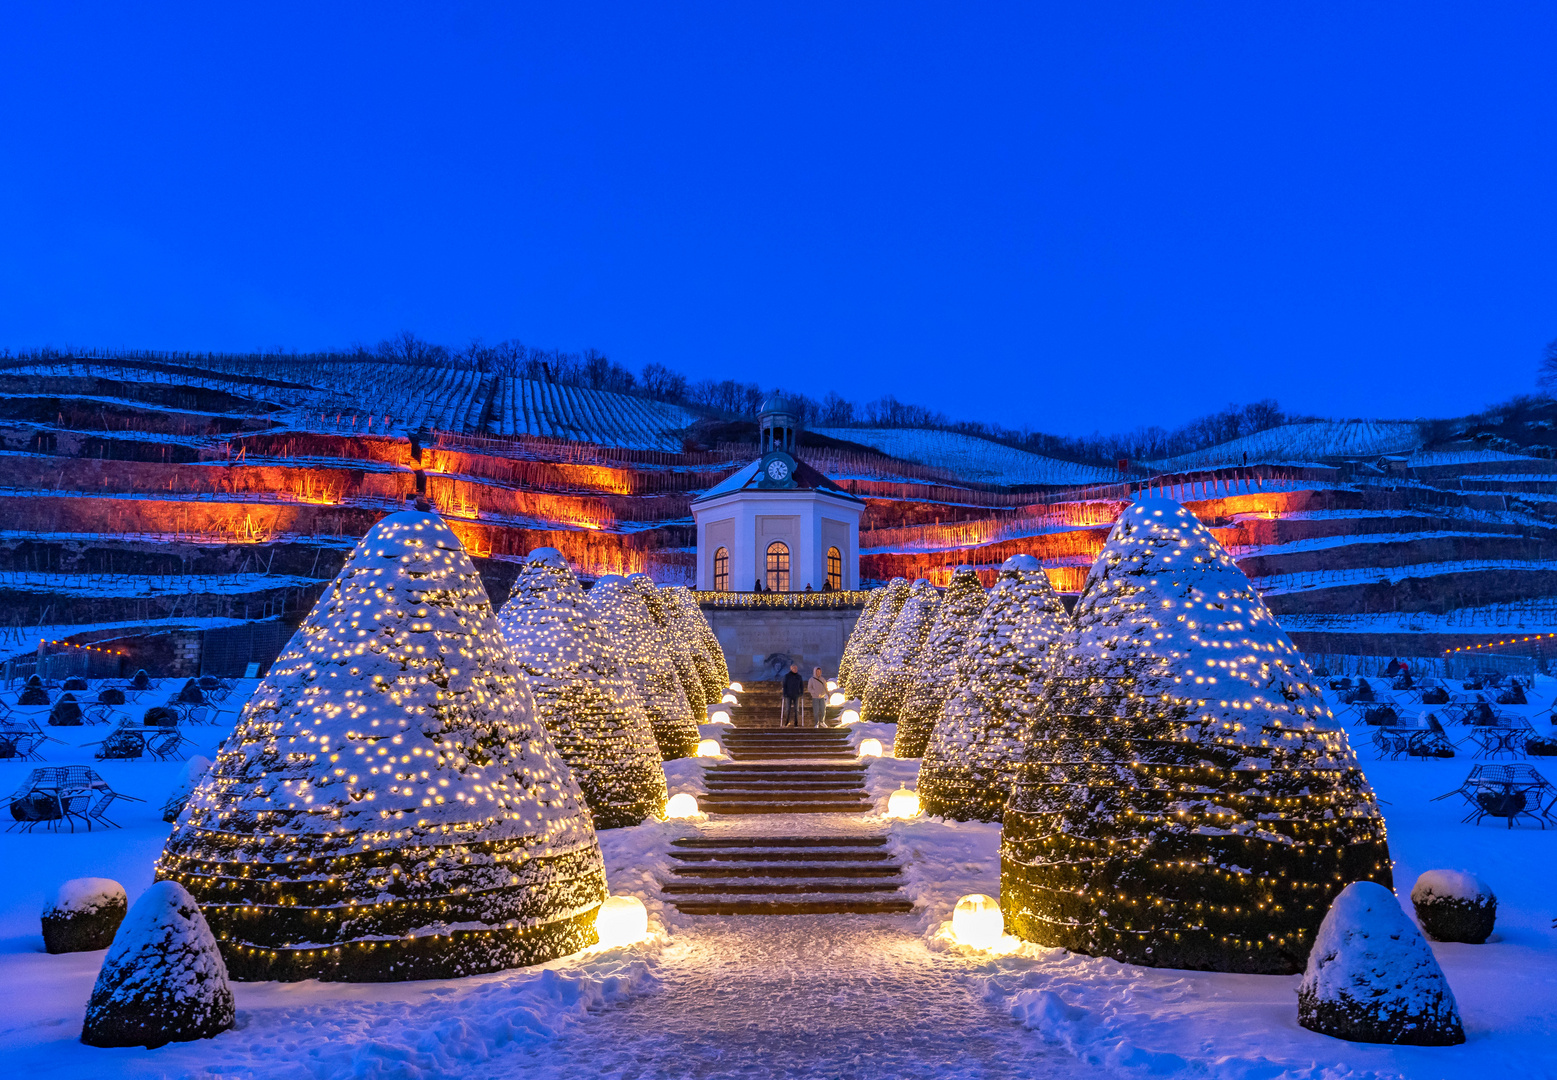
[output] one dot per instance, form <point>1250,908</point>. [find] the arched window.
<point>722,570</point>
<point>778,566</point>
<point>834,569</point>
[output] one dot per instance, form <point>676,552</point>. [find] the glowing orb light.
<point>622,920</point>
<point>849,716</point>
<point>729,699</point>
<point>707,748</point>
<point>836,698</point>
<point>903,804</point>
<point>870,748</point>
<point>832,684</point>
<point>977,922</point>
<point>681,805</point>
<point>737,687</point>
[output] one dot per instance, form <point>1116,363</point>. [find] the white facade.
<point>741,527</point>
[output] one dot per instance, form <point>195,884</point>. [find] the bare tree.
<point>1548,369</point>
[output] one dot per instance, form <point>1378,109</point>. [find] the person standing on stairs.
<point>817,688</point>
<point>789,711</point>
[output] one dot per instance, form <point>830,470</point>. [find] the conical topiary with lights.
<point>1186,801</point>
<point>625,618</point>
<point>897,664</point>
<point>586,698</point>
<point>981,736</point>
<point>935,673</point>
<point>873,635</point>
<point>674,644</point>
<point>858,634</point>
<point>388,806</point>
<point>706,651</point>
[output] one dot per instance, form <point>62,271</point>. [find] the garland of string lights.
<point>857,636</point>
<point>850,598</point>
<point>979,741</point>
<point>621,610</point>
<point>707,656</point>
<point>388,806</point>
<point>586,698</point>
<point>873,636</point>
<point>935,675</point>
<point>664,620</point>
<point>897,666</point>
<point>1185,801</point>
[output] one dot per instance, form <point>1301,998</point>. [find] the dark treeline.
<point>729,398</point>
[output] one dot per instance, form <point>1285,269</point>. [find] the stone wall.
<point>809,636</point>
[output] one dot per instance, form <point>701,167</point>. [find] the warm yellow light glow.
<point>708,748</point>
<point>681,805</point>
<point>836,698</point>
<point>903,804</point>
<point>737,687</point>
<point>849,716</point>
<point>870,748</point>
<point>832,684</point>
<point>977,922</point>
<point>729,699</point>
<point>622,920</point>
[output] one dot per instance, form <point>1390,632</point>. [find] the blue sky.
<point>1074,217</point>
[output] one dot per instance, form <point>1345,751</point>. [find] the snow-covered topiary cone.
<point>894,596</point>
<point>583,691</point>
<point>897,665</point>
<point>706,650</point>
<point>984,729</point>
<point>674,644</point>
<point>1372,977</point>
<point>84,915</point>
<point>1186,801</point>
<point>857,635</point>
<point>1452,905</point>
<point>163,979</point>
<point>936,671</point>
<point>193,772</point>
<point>389,805</point>
<point>646,659</point>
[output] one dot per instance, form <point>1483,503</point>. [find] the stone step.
<point>783,808</point>
<point>818,905</point>
<point>852,768</point>
<point>705,843</point>
<point>789,870</point>
<point>771,855</point>
<point>774,888</point>
<point>726,791</point>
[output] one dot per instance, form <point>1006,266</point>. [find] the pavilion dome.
<point>389,805</point>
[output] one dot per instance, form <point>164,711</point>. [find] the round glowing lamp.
<point>849,716</point>
<point>621,920</point>
<point>737,687</point>
<point>832,684</point>
<point>836,698</point>
<point>729,699</point>
<point>977,922</point>
<point>903,804</point>
<point>870,748</point>
<point>681,805</point>
<point>707,748</point>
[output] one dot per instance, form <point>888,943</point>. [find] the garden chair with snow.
<point>1433,693</point>
<point>1391,742</point>
<point>1430,742</point>
<point>97,714</point>
<point>124,743</point>
<point>192,714</point>
<point>105,797</point>
<point>166,743</point>
<point>1506,791</point>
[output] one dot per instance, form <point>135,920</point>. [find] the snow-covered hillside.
<point>1312,441</point>
<point>972,458</point>
<point>527,407</point>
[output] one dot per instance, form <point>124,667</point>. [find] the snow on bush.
<point>388,805</point>
<point>706,651</point>
<point>1186,801</point>
<point>586,697</point>
<point>873,636</point>
<point>193,772</point>
<point>66,712</point>
<point>1452,905</point>
<point>961,605</point>
<point>163,979</point>
<point>857,636</point>
<point>1373,978</point>
<point>983,731</point>
<point>110,695</point>
<point>33,693</point>
<point>84,915</point>
<point>675,645</point>
<point>625,620</point>
<point>898,667</point>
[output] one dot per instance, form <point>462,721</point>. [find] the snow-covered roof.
<point>807,478</point>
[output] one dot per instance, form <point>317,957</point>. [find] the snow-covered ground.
<point>1305,442</point>
<point>855,996</point>
<point>972,458</point>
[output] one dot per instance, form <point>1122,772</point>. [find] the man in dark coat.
<point>789,714</point>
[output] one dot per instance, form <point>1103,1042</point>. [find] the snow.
<point>1304,442</point>
<point>1450,885</point>
<point>972,458</point>
<point>87,894</point>
<point>1308,581</point>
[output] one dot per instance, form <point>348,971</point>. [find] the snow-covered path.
<point>853,996</point>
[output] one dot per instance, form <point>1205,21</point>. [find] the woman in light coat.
<point>817,688</point>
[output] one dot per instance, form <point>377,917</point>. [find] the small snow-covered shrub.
<point>1540,746</point>
<point>75,683</point>
<point>194,770</point>
<point>1380,716</point>
<point>1452,905</point>
<point>1437,695</point>
<point>140,680</point>
<point>163,979</point>
<point>84,915</point>
<point>1513,694</point>
<point>110,695</point>
<point>629,632</point>
<point>33,693</point>
<point>191,694</point>
<point>1372,977</point>
<point>160,716</point>
<point>66,712</point>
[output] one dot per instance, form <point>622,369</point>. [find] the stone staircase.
<point>786,771</point>
<point>784,875</point>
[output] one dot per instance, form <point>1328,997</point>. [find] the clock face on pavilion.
<point>778,470</point>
